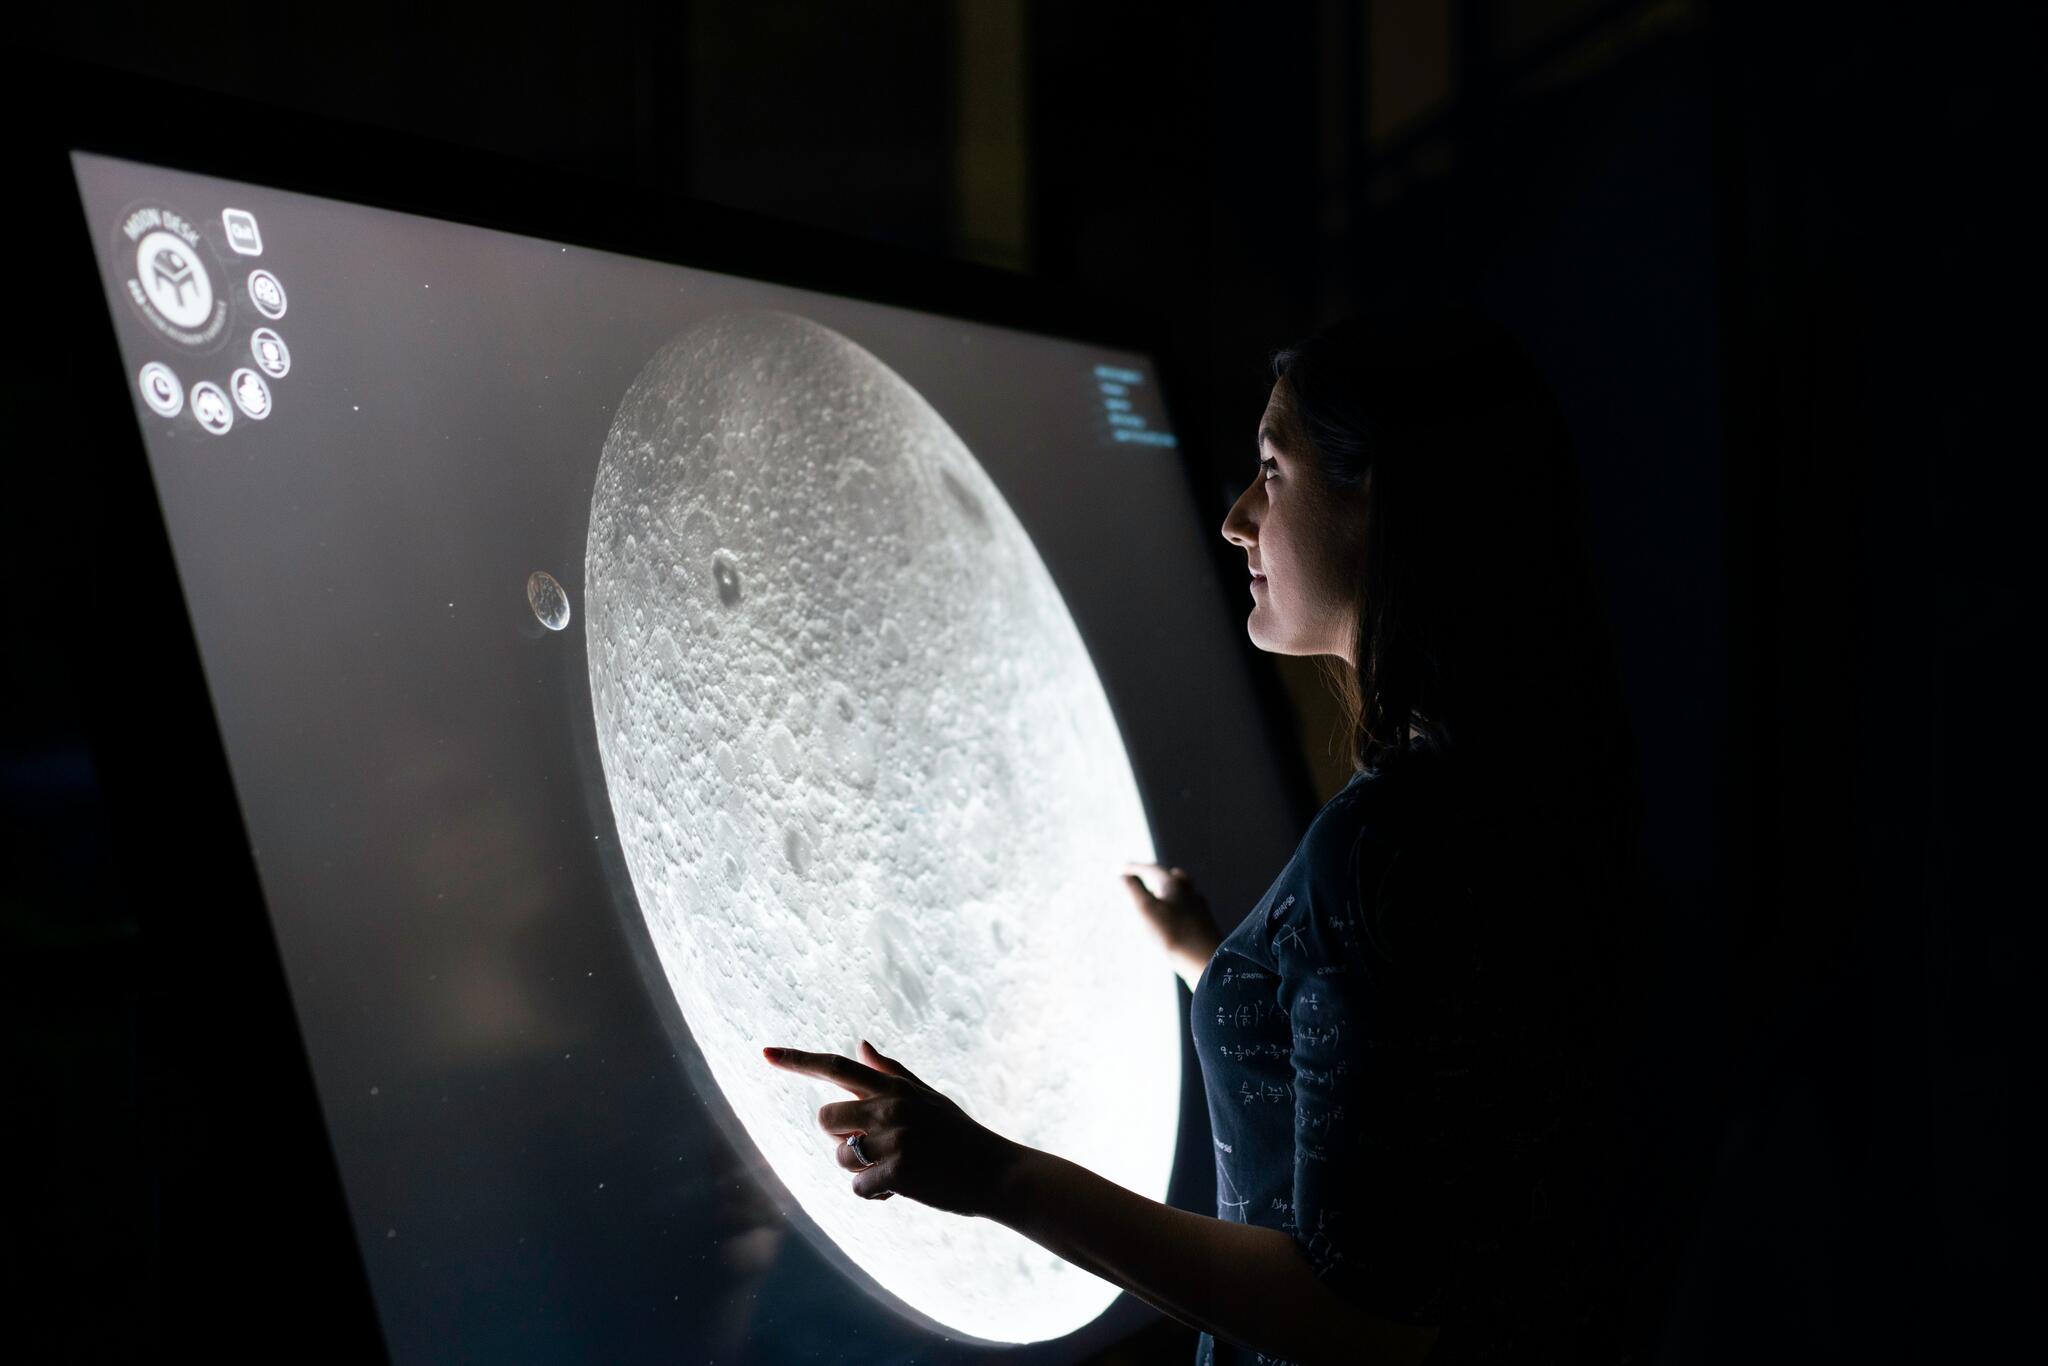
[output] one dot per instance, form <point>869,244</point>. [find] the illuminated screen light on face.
<point>868,785</point>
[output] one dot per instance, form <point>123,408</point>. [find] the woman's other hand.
<point>1177,913</point>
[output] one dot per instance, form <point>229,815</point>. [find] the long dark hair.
<point>1481,636</point>
<point>1479,628</point>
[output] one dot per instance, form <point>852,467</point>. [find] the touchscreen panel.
<point>623,666</point>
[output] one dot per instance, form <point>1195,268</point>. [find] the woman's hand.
<point>918,1142</point>
<point>1177,913</point>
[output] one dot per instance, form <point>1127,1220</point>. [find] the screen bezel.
<point>248,1191</point>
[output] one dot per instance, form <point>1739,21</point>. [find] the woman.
<point>1409,1043</point>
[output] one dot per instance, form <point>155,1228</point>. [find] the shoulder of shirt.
<point>1378,802</point>
<point>1379,821</point>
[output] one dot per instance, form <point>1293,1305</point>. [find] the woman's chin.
<point>1273,642</point>
<point>1261,633</point>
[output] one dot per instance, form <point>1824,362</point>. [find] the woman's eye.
<point>1268,467</point>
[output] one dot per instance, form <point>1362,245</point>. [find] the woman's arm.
<point>1242,1282</point>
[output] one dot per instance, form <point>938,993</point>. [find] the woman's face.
<point>1302,541</point>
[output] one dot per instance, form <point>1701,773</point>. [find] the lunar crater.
<point>728,580</point>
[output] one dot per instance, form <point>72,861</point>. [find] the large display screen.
<point>623,666</point>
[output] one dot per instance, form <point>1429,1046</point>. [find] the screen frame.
<point>249,1204</point>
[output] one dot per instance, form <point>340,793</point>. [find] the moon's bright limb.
<point>868,786</point>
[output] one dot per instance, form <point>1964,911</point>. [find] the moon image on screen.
<point>867,785</point>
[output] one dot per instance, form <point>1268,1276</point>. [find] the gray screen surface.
<point>532,1165</point>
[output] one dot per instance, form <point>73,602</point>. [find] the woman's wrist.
<point>1006,1186</point>
<point>1194,958</point>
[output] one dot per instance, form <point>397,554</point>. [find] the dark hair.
<point>1480,635</point>
<point>1479,629</point>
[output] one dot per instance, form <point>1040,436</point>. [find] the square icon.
<point>243,234</point>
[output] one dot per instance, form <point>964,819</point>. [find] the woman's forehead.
<point>1277,421</point>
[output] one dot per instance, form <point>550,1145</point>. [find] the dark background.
<point>1769,258</point>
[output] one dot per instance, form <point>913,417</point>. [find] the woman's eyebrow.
<point>1267,438</point>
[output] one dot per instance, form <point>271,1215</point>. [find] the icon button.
<point>174,278</point>
<point>252,395</point>
<point>273,357</point>
<point>243,234</point>
<point>267,293</point>
<point>160,388</point>
<point>210,407</point>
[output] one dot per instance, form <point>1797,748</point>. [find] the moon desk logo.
<point>171,285</point>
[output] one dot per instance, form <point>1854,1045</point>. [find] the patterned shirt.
<point>1392,1042</point>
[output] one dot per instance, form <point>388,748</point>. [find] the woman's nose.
<point>1237,528</point>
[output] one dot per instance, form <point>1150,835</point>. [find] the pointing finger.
<point>858,1078</point>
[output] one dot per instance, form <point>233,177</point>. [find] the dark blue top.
<point>1395,1048</point>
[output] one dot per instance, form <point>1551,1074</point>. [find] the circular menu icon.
<point>210,407</point>
<point>171,280</point>
<point>273,357</point>
<point>267,293</point>
<point>160,388</point>
<point>252,395</point>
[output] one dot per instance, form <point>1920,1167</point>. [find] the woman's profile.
<point>1410,1044</point>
